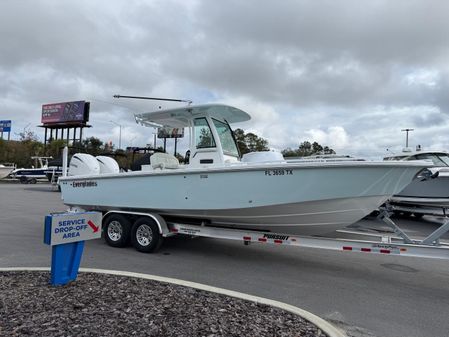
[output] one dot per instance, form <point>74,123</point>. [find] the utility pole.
<point>406,135</point>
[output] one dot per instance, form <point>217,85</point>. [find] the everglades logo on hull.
<point>84,183</point>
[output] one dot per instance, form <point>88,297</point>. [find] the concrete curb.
<point>325,326</point>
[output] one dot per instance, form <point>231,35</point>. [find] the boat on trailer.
<point>37,172</point>
<point>216,187</point>
<point>430,190</point>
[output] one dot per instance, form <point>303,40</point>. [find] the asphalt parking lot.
<point>370,295</point>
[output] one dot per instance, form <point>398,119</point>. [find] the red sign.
<point>57,113</point>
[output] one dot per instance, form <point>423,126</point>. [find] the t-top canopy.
<point>181,117</point>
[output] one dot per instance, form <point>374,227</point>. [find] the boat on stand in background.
<point>6,169</point>
<point>217,187</point>
<point>429,192</point>
<point>39,171</point>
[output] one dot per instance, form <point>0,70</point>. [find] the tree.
<point>93,146</point>
<point>316,148</point>
<point>249,142</point>
<point>255,143</point>
<point>28,135</point>
<point>306,149</point>
<point>54,148</point>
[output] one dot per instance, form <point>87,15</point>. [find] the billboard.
<point>170,132</point>
<point>66,112</point>
<point>5,126</point>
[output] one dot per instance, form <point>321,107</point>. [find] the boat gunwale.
<point>249,167</point>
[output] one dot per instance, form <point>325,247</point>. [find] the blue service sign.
<point>5,126</point>
<point>69,227</point>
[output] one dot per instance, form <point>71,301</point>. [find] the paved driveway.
<point>386,296</point>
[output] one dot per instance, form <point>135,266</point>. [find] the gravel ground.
<point>109,305</point>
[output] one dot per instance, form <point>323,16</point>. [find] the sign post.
<point>66,233</point>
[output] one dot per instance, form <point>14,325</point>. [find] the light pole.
<point>120,134</point>
<point>154,138</point>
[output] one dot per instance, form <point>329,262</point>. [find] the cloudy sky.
<point>348,74</point>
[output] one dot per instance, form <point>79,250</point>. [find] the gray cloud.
<point>362,66</point>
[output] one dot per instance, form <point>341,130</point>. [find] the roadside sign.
<point>63,228</point>
<point>5,126</point>
<point>66,233</point>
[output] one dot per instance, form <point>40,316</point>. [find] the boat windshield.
<point>226,138</point>
<point>438,160</point>
<point>444,157</point>
<point>203,134</point>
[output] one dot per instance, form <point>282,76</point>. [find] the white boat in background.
<point>219,188</point>
<point>31,175</point>
<point>5,170</point>
<point>431,187</point>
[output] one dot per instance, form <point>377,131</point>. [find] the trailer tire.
<point>145,236</point>
<point>116,229</point>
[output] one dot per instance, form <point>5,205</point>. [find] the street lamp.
<point>120,134</point>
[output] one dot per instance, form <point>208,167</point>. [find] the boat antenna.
<point>155,98</point>
<point>406,136</point>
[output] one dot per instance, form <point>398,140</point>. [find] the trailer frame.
<point>400,245</point>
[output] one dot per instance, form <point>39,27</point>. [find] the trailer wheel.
<point>116,229</point>
<point>23,180</point>
<point>33,181</point>
<point>145,236</point>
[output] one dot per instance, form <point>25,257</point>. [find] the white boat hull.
<point>305,218</point>
<point>426,193</point>
<point>5,171</point>
<point>292,198</point>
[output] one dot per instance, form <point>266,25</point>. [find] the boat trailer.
<point>146,232</point>
<point>417,210</point>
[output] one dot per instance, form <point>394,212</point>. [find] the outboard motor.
<point>83,164</point>
<point>107,165</point>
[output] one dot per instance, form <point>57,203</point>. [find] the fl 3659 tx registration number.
<point>278,172</point>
